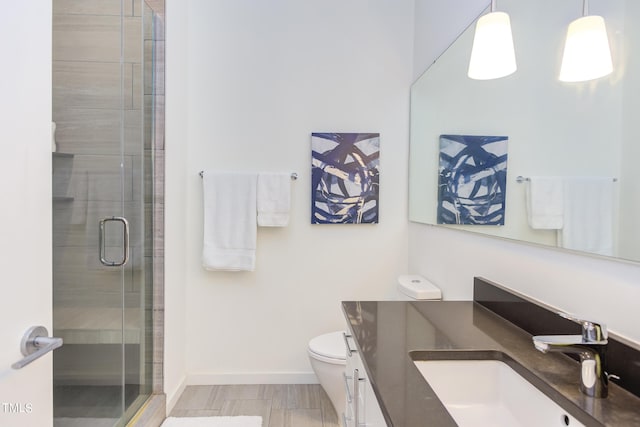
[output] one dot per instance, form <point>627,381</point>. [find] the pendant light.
<point>586,50</point>
<point>492,54</point>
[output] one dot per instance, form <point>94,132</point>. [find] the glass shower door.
<point>101,213</point>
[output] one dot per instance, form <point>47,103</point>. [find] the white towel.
<point>544,198</point>
<point>274,199</point>
<point>229,221</point>
<point>588,215</point>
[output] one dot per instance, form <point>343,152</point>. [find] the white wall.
<point>261,77</point>
<point>176,135</point>
<point>593,287</point>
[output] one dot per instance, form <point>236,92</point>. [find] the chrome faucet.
<point>591,346</point>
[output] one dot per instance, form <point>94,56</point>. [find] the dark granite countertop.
<point>386,332</point>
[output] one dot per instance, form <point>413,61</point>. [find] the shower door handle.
<point>125,242</point>
<point>35,344</point>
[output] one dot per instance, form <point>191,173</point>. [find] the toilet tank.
<point>415,287</point>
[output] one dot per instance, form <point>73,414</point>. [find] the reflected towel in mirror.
<point>588,215</point>
<point>544,199</point>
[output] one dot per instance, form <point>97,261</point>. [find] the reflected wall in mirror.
<point>564,131</point>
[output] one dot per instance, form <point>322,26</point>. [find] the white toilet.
<point>327,352</point>
<point>328,356</point>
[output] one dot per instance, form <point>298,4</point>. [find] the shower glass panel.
<point>102,193</point>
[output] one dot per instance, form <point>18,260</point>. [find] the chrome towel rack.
<point>294,175</point>
<point>520,179</point>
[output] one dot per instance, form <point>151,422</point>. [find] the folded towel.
<point>588,215</point>
<point>544,198</point>
<point>229,221</point>
<point>274,199</point>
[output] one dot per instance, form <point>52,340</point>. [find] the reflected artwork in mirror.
<point>568,131</point>
<point>472,179</point>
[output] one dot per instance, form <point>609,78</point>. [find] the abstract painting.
<point>345,178</point>
<point>472,179</point>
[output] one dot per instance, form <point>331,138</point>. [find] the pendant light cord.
<point>585,7</point>
<point>493,5</point>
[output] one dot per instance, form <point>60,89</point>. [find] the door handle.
<point>350,351</point>
<point>346,386</point>
<point>357,379</point>
<point>35,344</point>
<point>125,242</point>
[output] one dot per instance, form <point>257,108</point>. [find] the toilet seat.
<point>329,348</point>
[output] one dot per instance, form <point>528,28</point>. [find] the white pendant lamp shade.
<point>492,55</point>
<point>586,51</point>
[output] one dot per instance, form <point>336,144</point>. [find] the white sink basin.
<point>489,393</point>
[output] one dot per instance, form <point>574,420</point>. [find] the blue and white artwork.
<point>345,178</point>
<point>472,179</point>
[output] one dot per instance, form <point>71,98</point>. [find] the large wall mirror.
<point>554,129</point>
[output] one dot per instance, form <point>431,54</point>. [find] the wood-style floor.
<point>279,405</point>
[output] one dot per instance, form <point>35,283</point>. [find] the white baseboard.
<point>172,398</point>
<point>253,378</point>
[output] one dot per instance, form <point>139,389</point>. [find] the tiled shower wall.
<point>155,95</point>
<point>89,110</point>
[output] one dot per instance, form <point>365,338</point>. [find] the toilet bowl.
<point>327,352</point>
<point>328,359</point>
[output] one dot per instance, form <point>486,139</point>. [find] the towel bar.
<point>520,179</point>
<point>294,175</point>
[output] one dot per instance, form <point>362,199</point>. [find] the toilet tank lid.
<point>417,287</point>
<point>329,345</point>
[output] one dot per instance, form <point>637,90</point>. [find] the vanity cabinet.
<point>361,409</point>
